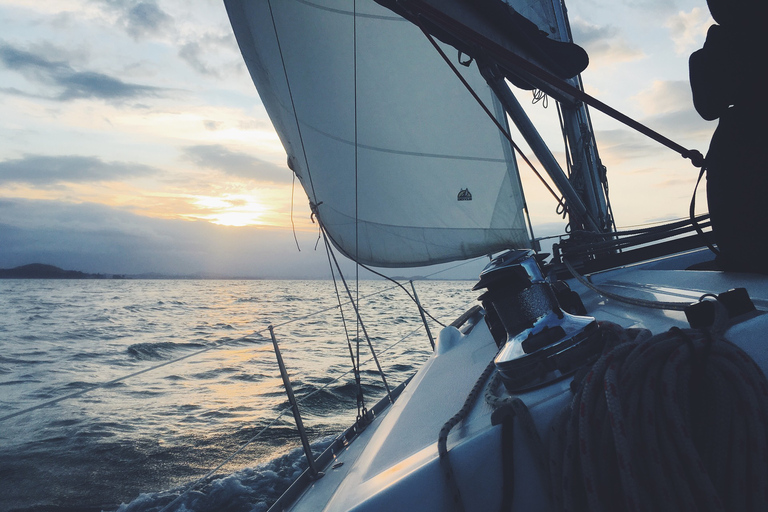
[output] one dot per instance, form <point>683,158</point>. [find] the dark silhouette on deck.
<point>728,83</point>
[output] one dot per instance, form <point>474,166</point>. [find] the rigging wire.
<point>293,226</point>
<point>369,269</point>
<point>357,202</point>
<point>658,228</point>
<point>465,262</point>
<point>94,387</point>
<point>561,209</point>
<point>692,214</point>
<point>361,410</point>
<point>357,313</point>
<point>653,304</point>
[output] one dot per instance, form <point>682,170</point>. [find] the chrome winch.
<point>538,341</point>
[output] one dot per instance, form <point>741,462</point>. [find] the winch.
<point>538,341</point>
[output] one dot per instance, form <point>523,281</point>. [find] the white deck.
<point>394,464</point>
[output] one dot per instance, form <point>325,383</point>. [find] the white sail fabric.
<point>382,135</point>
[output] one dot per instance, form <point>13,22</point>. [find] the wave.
<point>247,490</point>
<point>158,351</point>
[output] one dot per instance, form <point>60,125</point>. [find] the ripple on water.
<point>159,350</point>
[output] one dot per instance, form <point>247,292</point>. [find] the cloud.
<point>665,96</point>
<point>202,54</point>
<point>685,127</point>
<point>621,145</point>
<point>140,19</point>
<point>191,53</point>
<point>212,125</point>
<point>45,171</point>
<point>145,18</point>
<point>689,29</point>
<point>668,109</point>
<point>72,84</point>
<point>242,165</point>
<point>604,44</point>
<point>98,238</point>
<point>651,6</point>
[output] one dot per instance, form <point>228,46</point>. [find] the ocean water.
<point>163,380</point>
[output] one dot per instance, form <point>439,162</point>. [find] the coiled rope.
<point>676,421</point>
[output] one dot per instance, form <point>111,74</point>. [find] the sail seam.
<point>405,153</point>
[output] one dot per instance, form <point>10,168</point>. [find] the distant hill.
<point>42,271</point>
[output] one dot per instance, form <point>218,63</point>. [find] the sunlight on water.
<point>162,429</point>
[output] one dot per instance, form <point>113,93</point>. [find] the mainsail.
<point>401,166</point>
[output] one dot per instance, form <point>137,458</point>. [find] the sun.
<point>229,210</point>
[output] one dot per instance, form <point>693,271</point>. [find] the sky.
<point>133,141</point>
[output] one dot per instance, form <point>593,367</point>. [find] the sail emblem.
<point>464,195</point>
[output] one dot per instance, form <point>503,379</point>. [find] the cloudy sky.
<point>133,140</point>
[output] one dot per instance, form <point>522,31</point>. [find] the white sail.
<point>383,137</point>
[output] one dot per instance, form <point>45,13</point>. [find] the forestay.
<point>401,165</point>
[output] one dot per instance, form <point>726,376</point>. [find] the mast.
<point>587,173</point>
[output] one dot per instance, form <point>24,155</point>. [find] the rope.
<point>670,422</point>
<point>692,214</point>
<point>674,306</point>
<point>653,228</point>
<point>540,96</point>
<point>513,407</point>
<point>442,440</point>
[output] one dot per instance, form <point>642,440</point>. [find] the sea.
<point>147,395</point>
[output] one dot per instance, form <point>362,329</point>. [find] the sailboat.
<point>617,375</point>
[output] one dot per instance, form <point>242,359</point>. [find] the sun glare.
<point>230,210</point>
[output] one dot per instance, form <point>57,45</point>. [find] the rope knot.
<point>313,208</point>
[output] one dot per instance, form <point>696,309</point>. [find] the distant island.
<point>42,271</point>
<point>45,271</point>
